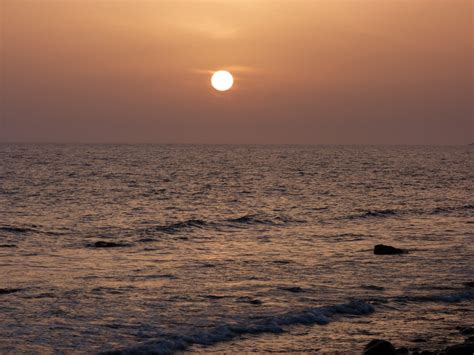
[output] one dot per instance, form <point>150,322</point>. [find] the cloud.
<point>234,69</point>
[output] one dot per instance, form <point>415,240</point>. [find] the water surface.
<point>233,248</point>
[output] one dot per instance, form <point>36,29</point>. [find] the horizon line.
<point>230,144</point>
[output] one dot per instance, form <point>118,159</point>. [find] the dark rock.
<point>253,301</point>
<point>427,352</point>
<point>419,340</point>
<point>469,284</point>
<point>466,330</point>
<point>6,291</point>
<point>373,287</point>
<point>402,351</point>
<point>379,347</point>
<point>460,349</point>
<point>215,297</point>
<point>281,262</point>
<point>103,244</point>
<point>295,289</point>
<point>7,246</point>
<point>381,249</point>
<point>208,265</point>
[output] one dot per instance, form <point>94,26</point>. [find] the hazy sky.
<point>314,71</point>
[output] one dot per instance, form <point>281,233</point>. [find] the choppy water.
<point>233,248</point>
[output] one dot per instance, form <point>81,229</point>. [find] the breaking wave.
<point>269,324</point>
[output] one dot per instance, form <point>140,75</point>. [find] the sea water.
<point>233,248</point>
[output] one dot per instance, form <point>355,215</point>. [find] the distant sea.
<point>233,249</point>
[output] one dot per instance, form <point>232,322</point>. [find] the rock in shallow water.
<point>253,301</point>
<point>460,349</point>
<point>6,291</point>
<point>402,351</point>
<point>294,289</point>
<point>379,347</point>
<point>466,330</point>
<point>381,249</point>
<point>102,244</point>
<point>373,287</point>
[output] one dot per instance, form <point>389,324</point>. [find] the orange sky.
<point>321,71</point>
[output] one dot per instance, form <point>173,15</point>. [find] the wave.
<point>448,298</point>
<point>245,220</point>
<point>8,245</point>
<point>346,237</point>
<point>184,225</point>
<point>443,210</point>
<point>270,324</point>
<point>17,230</point>
<point>385,213</point>
<point>374,214</point>
<point>27,230</point>
<point>251,219</point>
<point>255,219</point>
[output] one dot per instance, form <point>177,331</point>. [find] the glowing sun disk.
<point>222,80</point>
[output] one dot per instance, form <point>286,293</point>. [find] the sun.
<point>222,80</point>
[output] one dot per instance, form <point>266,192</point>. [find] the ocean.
<point>231,249</point>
